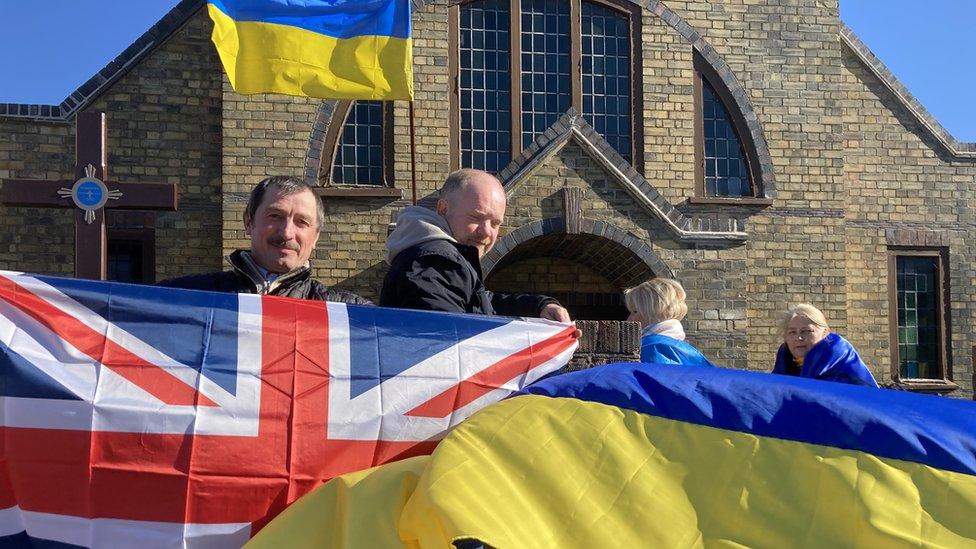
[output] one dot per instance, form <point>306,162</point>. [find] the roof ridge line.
<point>91,89</point>
<point>904,96</point>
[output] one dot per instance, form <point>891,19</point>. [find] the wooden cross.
<point>91,190</point>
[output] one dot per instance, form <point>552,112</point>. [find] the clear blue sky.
<point>931,47</point>
<point>50,47</point>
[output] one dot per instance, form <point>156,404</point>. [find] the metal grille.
<point>918,320</point>
<point>359,155</point>
<point>485,125</point>
<point>546,91</point>
<point>725,167</point>
<point>606,74</point>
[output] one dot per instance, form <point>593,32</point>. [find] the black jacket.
<point>431,271</point>
<point>247,279</point>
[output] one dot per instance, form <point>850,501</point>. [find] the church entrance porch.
<point>586,271</point>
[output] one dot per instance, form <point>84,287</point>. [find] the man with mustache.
<point>435,257</point>
<point>283,217</point>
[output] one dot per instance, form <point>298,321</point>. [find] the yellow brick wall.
<point>898,177</point>
<point>163,127</point>
<point>849,163</point>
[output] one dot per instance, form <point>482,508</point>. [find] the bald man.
<point>435,257</point>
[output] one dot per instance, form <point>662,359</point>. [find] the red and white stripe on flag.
<point>144,415</point>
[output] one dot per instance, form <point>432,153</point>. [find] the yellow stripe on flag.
<point>356,510</point>
<point>271,58</point>
<point>536,471</point>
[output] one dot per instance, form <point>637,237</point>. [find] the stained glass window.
<point>359,155</point>
<point>725,166</point>
<point>606,74</point>
<point>485,85</point>
<point>544,86</point>
<point>919,307</point>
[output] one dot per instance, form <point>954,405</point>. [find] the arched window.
<point>606,75</point>
<point>359,146</point>
<point>725,166</point>
<point>521,64</point>
<point>484,86</point>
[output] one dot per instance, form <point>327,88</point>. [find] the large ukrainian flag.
<point>341,49</point>
<point>643,455</point>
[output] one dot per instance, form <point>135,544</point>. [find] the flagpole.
<point>413,159</point>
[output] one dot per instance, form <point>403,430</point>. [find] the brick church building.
<point>756,151</point>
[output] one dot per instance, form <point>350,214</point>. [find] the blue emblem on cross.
<point>89,193</point>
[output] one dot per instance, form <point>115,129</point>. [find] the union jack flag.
<point>138,415</point>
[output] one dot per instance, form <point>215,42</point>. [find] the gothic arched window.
<point>521,64</point>
<point>725,166</point>
<point>359,147</point>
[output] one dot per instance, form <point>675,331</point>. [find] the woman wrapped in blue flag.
<point>810,349</point>
<point>658,305</point>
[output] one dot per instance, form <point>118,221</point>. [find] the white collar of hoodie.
<point>668,328</point>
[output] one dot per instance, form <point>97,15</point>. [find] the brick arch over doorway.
<point>585,267</point>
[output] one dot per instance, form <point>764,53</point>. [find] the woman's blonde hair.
<point>808,311</point>
<point>657,299</point>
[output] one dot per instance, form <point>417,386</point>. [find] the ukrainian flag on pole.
<point>336,49</point>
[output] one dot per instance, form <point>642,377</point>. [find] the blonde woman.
<point>658,305</point>
<point>810,349</point>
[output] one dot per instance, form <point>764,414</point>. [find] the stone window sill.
<point>359,192</point>
<point>731,201</point>
<point>940,386</point>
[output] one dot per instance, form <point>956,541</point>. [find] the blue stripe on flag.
<point>20,378</point>
<point>925,429</point>
<point>197,329</point>
<point>23,541</point>
<point>408,338</point>
<point>335,18</point>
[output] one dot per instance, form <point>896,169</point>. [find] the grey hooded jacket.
<point>430,270</point>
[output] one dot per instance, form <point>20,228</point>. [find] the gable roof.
<point>117,68</point>
<point>182,12</point>
<point>133,55</point>
<point>900,92</point>
<point>686,229</point>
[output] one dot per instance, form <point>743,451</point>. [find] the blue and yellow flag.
<point>338,49</point>
<point>643,455</point>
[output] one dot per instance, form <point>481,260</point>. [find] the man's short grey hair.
<point>458,179</point>
<point>286,185</point>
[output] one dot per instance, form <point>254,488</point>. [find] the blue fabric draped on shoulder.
<point>832,359</point>
<point>659,349</point>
